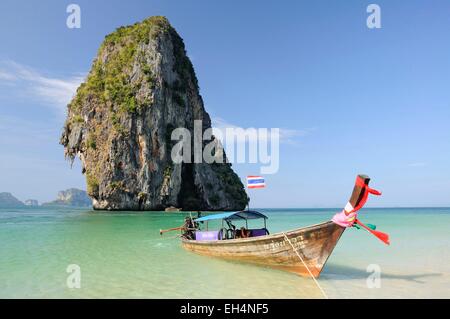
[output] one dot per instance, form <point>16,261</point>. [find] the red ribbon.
<point>367,190</point>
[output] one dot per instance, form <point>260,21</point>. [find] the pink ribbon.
<point>344,220</point>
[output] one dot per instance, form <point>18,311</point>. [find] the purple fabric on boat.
<point>258,232</point>
<point>207,235</point>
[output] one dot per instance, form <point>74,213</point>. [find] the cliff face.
<point>141,87</point>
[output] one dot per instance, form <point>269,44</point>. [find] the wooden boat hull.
<point>314,244</point>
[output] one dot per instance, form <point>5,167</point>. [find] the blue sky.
<point>375,101</point>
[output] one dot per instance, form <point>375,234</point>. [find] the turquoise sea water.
<point>122,255</point>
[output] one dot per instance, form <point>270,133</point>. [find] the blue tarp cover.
<point>245,214</point>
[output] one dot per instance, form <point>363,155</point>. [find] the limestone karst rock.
<point>141,86</point>
<point>7,200</point>
<point>31,203</point>
<point>71,197</point>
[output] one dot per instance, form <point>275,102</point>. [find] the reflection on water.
<point>123,255</point>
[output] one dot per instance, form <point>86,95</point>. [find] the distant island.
<point>7,200</point>
<point>71,197</point>
<point>31,203</point>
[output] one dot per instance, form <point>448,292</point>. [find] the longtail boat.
<point>303,251</point>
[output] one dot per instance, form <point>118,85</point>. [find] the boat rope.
<point>173,237</point>
<point>306,266</point>
<point>165,238</point>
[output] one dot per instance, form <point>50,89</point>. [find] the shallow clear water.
<point>123,255</point>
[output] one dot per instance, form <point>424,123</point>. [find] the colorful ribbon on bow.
<point>349,217</point>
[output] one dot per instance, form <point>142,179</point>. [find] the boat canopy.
<point>245,214</point>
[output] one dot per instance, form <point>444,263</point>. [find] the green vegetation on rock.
<point>92,185</point>
<point>91,142</point>
<point>109,80</point>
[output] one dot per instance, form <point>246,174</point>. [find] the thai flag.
<point>255,182</point>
